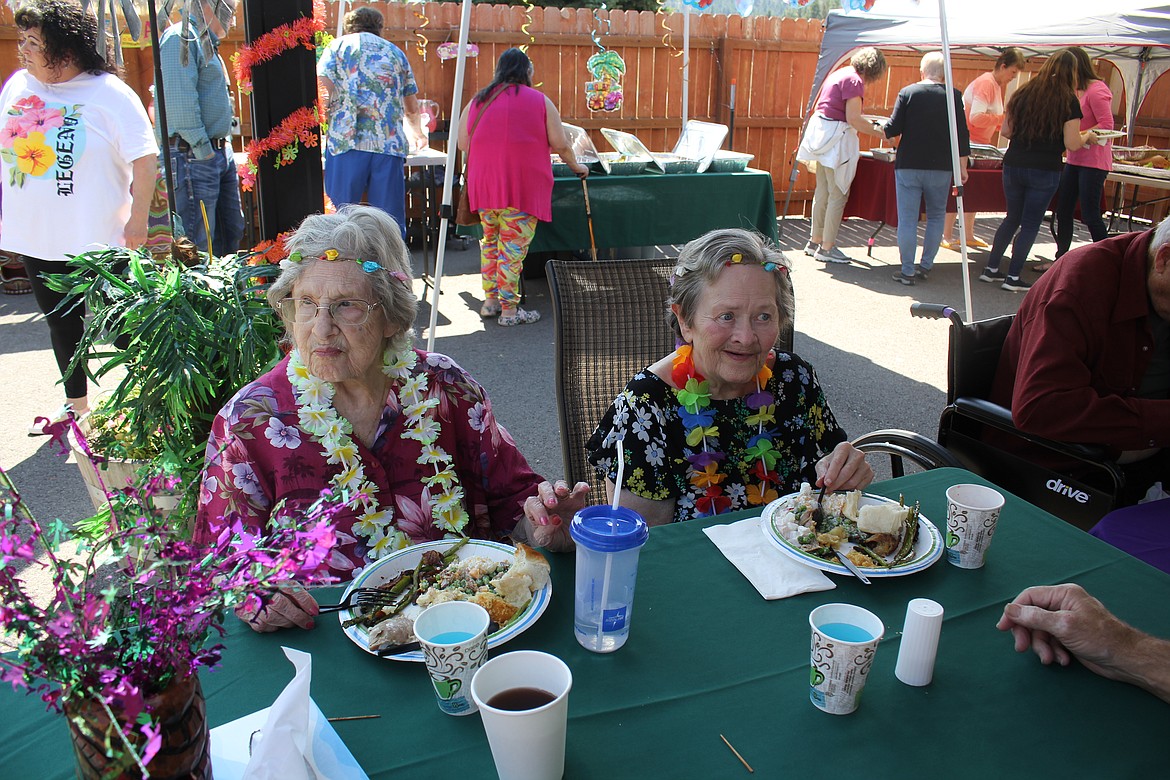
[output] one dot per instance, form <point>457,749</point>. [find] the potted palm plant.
<point>185,332</point>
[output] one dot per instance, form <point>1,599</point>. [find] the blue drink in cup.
<point>608,542</point>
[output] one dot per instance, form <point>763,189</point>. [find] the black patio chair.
<point>1076,482</point>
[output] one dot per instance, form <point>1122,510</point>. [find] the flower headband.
<point>735,259</point>
<point>333,256</point>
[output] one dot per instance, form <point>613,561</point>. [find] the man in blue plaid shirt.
<point>199,117</point>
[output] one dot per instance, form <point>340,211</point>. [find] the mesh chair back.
<point>974,356</point>
<point>610,323</point>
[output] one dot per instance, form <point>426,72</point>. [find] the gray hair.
<point>704,258</point>
<point>357,232</point>
<point>932,66</point>
<point>1160,239</point>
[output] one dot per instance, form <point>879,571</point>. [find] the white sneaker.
<point>833,255</point>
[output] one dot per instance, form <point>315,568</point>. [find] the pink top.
<point>510,154</point>
<point>983,104</point>
<point>1097,112</point>
<point>839,87</point>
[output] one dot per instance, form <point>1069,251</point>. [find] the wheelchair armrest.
<point>998,417</point>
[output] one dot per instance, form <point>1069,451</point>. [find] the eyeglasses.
<point>347,312</point>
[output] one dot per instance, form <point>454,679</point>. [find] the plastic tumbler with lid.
<point>608,542</point>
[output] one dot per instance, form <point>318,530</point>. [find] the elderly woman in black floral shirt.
<point>726,421</point>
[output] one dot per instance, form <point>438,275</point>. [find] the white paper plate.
<point>389,567</point>
<point>1109,135</point>
<point>928,547</point>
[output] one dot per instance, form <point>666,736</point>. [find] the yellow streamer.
<point>526,27</point>
<point>666,37</point>
<point>421,44</point>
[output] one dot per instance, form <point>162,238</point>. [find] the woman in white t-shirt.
<point>75,138</point>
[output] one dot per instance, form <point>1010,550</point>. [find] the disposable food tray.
<point>730,162</point>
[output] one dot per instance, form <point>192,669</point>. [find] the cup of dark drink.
<point>523,699</point>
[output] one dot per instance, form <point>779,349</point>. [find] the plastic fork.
<point>819,512</point>
<point>364,597</point>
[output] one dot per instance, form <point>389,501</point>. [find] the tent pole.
<point>1136,101</point>
<point>686,69</point>
<point>449,174</point>
<point>956,169</point>
<point>160,111</point>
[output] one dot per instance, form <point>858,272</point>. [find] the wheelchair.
<point>1076,482</point>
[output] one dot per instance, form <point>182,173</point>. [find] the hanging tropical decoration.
<point>449,50</point>
<point>526,28</point>
<point>421,40</point>
<point>305,31</point>
<point>604,92</point>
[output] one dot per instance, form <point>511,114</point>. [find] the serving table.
<point>1125,209</point>
<point>708,656</point>
<point>653,209</point>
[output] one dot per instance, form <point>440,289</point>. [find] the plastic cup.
<point>972,513</point>
<point>608,542</point>
<point>523,700</point>
<point>844,641</point>
<point>453,637</point>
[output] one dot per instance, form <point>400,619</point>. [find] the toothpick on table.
<point>363,717</point>
<point>737,755</point>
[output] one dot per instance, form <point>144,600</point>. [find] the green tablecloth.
<point>708,656</point>
<point>653,209</point>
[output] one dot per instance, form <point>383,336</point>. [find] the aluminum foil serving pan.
<point>629,148</point>
<point>583,148</point>
<point>619,164</point>
<point>729,162</point>
<point>700,141</point>
<point>673,163</point>
<point>986,150</point>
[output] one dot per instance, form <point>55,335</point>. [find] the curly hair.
<point>869,63</point>
<point>704,258</point>
<point>364,19</point>
<point>513,67</point>
<point>70,34</point>
<point>1039,109</point>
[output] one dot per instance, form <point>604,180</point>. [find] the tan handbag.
<point>463,214</point>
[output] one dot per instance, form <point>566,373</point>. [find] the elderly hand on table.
<point>288,607</point>
<point>1062,622</point>
<point>547,514</point>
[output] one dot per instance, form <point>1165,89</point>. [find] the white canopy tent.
<point>1134,36</point>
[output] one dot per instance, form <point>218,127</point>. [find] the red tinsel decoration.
<point>300,127</point>
<point>302,32</point>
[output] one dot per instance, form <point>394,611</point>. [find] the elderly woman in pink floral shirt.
<point>407,437</point>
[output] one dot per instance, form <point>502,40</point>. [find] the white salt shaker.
<point>919,643</point>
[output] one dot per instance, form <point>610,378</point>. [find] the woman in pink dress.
<point>1083,178</point>
<point>509,177</point>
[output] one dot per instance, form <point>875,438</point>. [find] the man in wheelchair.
<point>1087,357</point>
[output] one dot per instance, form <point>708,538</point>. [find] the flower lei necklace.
<point>317,416</point>
<point>694,399</point>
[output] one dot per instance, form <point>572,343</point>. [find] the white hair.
<point>932,66</point>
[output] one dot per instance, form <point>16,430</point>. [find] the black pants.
<point>1084,185</point>
<point>65,327</point>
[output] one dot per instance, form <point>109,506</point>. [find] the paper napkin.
<point>774,574</point>
<point>291,740</point>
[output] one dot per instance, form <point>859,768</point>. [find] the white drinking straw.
<point>617,492</point>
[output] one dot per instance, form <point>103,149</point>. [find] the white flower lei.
<point>316,415</point>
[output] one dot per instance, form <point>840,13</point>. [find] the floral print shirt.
<point>370,77</point>
<point>656,449</point>
<point>258,457</point>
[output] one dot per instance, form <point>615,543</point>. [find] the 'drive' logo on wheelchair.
<point>1061,489</point>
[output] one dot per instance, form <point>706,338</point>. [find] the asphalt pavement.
<point>881,368</point>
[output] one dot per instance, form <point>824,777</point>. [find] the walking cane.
<point>589,217</point>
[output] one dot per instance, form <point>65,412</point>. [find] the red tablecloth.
<point>873,195</point>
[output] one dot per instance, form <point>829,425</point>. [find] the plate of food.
<point>1109,135</point>
<point>882,537</point>
<point>511,583</point>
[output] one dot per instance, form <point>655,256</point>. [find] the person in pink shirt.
<point>509,177</point>
<point>1083,178</point>
<point>983,104</point>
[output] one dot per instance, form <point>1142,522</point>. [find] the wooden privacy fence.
<point>771,61</point>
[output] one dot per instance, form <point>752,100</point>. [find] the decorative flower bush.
<point>115,643</point>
